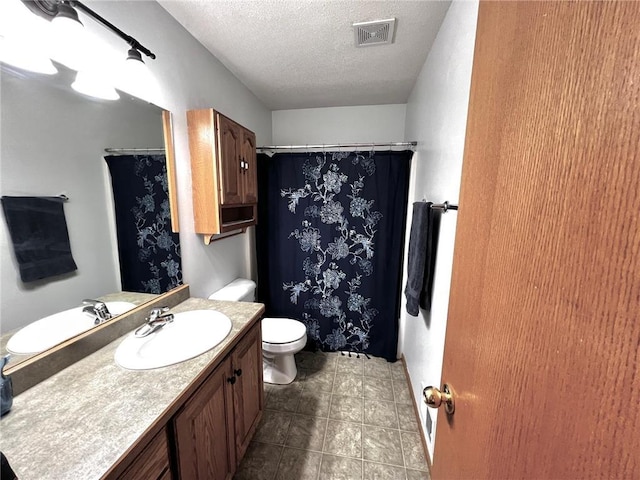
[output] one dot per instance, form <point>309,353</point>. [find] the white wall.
<point>52,143</point>
<point>190,77</point>
<point>436,118</point>
<point>363,124</point>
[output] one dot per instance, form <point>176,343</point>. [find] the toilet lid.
<point>282,330</point>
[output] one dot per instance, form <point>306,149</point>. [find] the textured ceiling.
<point>301,53</point>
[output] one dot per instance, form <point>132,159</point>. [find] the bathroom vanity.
<point>191,420</point>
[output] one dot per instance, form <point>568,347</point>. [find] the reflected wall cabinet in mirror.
<point>224,173</point>
<point>53,142</point>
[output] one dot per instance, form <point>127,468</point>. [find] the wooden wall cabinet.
<point>223,173</point>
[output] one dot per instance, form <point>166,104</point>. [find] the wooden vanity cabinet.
<point>216,424</point>
<point>207,436</point>
<point>223,172</point>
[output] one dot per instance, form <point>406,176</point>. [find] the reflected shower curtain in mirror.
<point>149,251</point>
<point>330,239</point>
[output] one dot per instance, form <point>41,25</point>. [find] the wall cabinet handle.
<point>238,372</point>
<point>231,380</point>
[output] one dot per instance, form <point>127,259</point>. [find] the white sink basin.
<point>189,335</point>
<point>50,331</point>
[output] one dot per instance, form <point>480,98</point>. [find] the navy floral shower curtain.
<point>330,240</point>
<point>149,251</point>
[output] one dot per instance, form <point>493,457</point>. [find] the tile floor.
<point>342,418</point>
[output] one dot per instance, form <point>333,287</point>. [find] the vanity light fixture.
<point>75,48</point>
<point>138,77</point>
<point>133,43</point>
<point>135,66</point>
<point>67,17</point>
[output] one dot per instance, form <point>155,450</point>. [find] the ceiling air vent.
<point>377,32</point>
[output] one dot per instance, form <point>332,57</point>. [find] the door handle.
<point>434,398</point>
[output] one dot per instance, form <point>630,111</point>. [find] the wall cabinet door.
<point>204,430</point>
<point>248,391</point>
<point>232,173</point>
<point>250,173</point>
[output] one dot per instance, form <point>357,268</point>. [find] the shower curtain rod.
<point>324,146</point>
<point>134,150</point>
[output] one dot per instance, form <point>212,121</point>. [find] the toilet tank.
<point>240,290</point>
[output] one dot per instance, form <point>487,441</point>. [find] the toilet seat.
<point>282,331</point>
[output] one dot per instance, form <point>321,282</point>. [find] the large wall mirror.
<point>53,142</point>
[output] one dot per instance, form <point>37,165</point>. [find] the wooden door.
<point>543,336</point>
<point>248,391</point>
<point>250,176</point>
<point>231,172</point>
<point>204,430</point>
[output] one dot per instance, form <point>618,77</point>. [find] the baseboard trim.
<point>416,412</point>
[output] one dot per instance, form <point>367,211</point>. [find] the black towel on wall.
<point>38,230</point>
<point>419,262</point>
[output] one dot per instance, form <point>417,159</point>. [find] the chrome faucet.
<point>97,309</point>
<point>158,318</point>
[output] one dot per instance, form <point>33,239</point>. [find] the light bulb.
<point>135,77</point>
<point>90,83</point>
<point>69,41</point>
<point>25,56</point>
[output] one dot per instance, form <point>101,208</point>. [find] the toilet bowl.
<point>282,338</point>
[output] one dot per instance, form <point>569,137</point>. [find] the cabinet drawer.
<point>153,462</point>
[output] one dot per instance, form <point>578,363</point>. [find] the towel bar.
<point>444,207</point>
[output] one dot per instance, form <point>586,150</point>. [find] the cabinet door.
<point>231,172</point>
<point>248,393</point>
<point>204,430</point>
<point>250,176</point>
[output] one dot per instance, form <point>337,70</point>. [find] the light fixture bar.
<point>49,9</point>
<point>127,38</point>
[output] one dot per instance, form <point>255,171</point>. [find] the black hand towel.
<point>419,258</point>
<point>38,230</point>
<point>6,472</point>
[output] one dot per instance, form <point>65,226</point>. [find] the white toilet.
<point>282,338</point>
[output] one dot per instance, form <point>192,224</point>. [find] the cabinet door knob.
<point>238,372</point>
<point>231,380</point>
